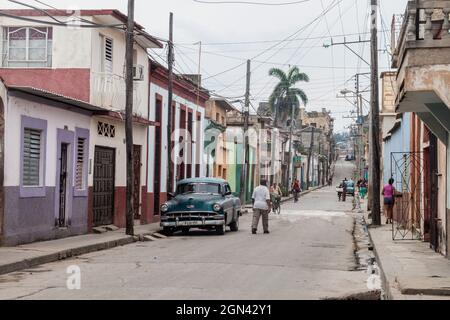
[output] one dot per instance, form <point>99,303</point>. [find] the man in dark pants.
<point>344,189</point>
<point>261,206</point>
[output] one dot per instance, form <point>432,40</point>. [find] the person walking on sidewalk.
<point>389,193</point>
<point>296,189</point>
<point>261,206</point>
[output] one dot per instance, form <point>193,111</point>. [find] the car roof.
<point>202,180</point>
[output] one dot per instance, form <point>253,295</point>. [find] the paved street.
<point>308,255</point>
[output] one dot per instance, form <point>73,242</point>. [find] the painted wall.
<point>33,219</point>
<point>179,101</point>
<point>399,142</point>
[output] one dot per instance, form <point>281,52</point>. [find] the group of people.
<point>265,199</point>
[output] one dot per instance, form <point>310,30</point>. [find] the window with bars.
<point>106,129</point>
<point>31,158</point>
<point>79,170</point>
<point>27,47</point>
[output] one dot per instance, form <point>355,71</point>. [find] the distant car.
<point>350,189</point>
<point>349,157</point>
<point>205,203</point>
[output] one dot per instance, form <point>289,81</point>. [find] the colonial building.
<point>187,137</point>
<point>422,57</point>
<point>85,65</point>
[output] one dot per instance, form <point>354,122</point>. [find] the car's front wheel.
<point>168,231</point>
<point>220,230</point>
<point>234,226</point>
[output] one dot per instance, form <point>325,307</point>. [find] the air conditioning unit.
<point>138,73</point>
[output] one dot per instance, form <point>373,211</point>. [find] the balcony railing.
<point>425,24</point>
<point>108,90</point>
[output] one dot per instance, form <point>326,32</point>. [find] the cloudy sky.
<point>270,35</point>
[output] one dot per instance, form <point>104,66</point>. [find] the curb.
<point>69,253</point>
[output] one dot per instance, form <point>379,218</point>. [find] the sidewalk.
<point>410,270</point>
<point>30,255</point>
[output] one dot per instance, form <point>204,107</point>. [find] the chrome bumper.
<point>192,223</point>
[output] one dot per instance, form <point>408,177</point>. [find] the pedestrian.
<point>296,189</point>
<point>363,189</point>
<point>344,189</point>
<point>261,206</point>
<point>276,194</point>
<point>388,194</point>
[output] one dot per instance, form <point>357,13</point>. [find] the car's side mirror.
<point>171,194</point>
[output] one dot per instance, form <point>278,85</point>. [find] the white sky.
<point>219,23</point>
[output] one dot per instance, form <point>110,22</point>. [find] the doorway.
<point>137,181</point>
<point>157,153</point>
<point>103,193</point>
<point>63,175</point>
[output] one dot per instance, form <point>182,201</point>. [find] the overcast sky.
<point>223,27</point>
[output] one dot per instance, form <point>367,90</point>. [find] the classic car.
<point>205,203</point>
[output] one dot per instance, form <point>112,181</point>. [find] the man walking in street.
<point>261,206</point>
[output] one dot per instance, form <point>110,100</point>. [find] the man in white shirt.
<point>261,206</point>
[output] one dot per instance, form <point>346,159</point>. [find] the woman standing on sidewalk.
<point>389,193</point>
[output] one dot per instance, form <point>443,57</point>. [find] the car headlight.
<point>164,208</point>
<point>217,207</point>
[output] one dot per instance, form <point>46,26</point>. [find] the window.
<point>79,172</point>
<point>106,130</point>
<point>106,54</point>
<point>81,162</point>
<point>27,47</point>
<point>31,158</point>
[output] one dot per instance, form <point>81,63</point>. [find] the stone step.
<point>150,238</point>
<point>99,230</point>
<point>111,227</point>
<point>159,235</point>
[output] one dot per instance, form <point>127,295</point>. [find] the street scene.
<point>224,150</point>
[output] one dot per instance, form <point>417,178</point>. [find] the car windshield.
<point>198,188</point>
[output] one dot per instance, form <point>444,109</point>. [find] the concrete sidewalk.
<point>30,255</point>
<point>410,270</point>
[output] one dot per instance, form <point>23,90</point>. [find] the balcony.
<point>421,53</point>
<point>108,91</point>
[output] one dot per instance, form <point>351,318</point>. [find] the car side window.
<point>227,189</point>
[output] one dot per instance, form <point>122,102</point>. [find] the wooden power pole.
<point>290,160</point>
<point>170,60</point>
<point>375,178</point>
<point>129,118</point>
<point>244,171</point>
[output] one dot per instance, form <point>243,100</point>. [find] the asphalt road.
<point>309,254</point>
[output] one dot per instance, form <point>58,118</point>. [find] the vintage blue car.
<point>205,203</point>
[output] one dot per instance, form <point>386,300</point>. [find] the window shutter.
<point>108,55</point>
<point>31,157</point>
<point>79,185</point>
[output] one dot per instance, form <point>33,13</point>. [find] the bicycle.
<point>276,205</point>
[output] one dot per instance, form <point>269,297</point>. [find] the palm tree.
<point>286,95</point>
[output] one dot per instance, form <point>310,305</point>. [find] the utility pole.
<point>129,118</point>
<point>170,60</point>
<point>375,121</point>
<point>308,169</point>
<point>244,171</point>
<point>290,160</point>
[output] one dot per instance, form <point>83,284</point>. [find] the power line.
<point>252,3</point>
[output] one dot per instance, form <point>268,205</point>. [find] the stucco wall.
<point>32,219</point>
<point>155,89</point>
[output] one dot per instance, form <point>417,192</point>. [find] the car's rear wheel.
<point>234,226</point>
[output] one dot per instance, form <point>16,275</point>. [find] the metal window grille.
<point>31,157</point>
<point>106,130</point>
